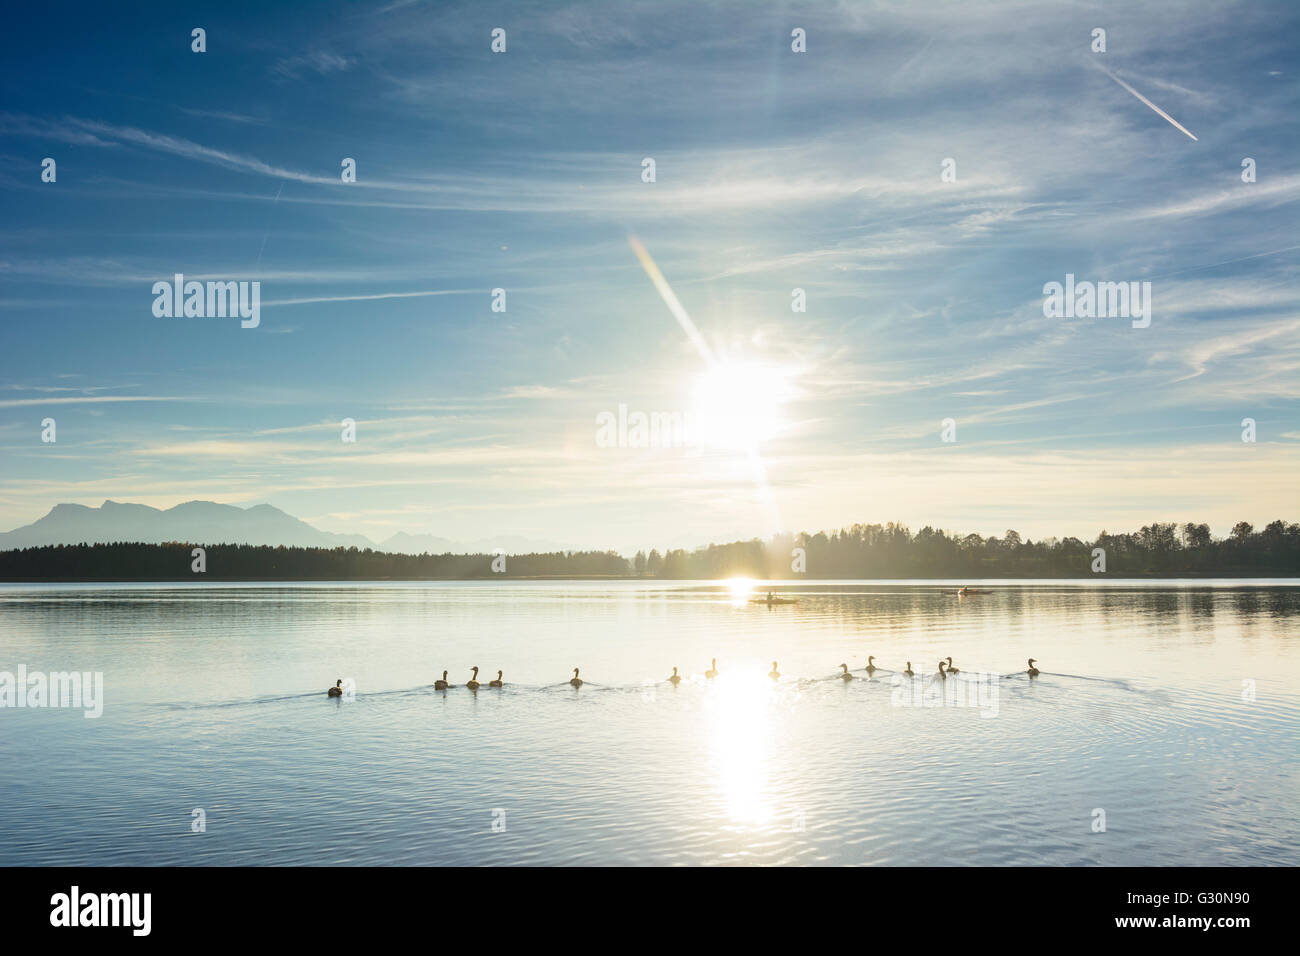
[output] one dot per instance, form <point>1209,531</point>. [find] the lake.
<point>1164,727</point>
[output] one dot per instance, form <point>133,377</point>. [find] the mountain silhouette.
<point>196,522</point>
<point>206,522</point>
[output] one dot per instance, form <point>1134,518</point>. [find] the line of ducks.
<point>472,683</point>
<point>945,668</point>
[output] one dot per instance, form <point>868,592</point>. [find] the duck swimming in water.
<point>846,675</point>
<point>497,682</point>
<point>1033,671</point>
<point>870,668</point>
<point>441,684</point>
<point>951,669</point>
<point>712,672</point>
<point>576,681</point>
<point>775,674</point>
<point>337,689</point>
<point>908,672</point>
<point>472,683</point>
<point>675,679</point>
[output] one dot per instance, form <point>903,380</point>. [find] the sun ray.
<point>670,299</point>
<point>722,373</point>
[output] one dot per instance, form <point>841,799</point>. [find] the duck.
<point>675,679</point>
<point>498,682</point>
<point>576,681</point>
<point>337,689</point>
<point>712,672</point>
<point>951,669</point>
<point>846,675</point>
<point>472,683</point>
<point>1033,671</point>
<point>942,675</point>
<point>775,674</point>
<point>908,672</point>
<point>441,683</point>
<point>870,668</point>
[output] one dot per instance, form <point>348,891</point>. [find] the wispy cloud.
<point>321,62</point>
<point>92,400</point>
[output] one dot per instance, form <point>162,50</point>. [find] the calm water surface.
<point>1174,707</point>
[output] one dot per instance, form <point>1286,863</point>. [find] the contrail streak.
<point>258,268</point>
<point>365,298</point>
<point>1147,102</point>
<point>670,299</point>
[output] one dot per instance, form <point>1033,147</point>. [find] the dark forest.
<point>860,551</point>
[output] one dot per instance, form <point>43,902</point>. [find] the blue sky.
<point>774,170</point>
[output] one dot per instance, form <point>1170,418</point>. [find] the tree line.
<point>893,551</point>
<point>174,561</point>
<point>860,551</point>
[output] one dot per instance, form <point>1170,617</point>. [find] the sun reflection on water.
<point>740,713</point>
<point>740,589</point>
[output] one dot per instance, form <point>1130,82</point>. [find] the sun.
<point>739,404</point>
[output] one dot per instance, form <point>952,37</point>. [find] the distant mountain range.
<point>206,522</point>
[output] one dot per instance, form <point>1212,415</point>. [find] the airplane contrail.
<point>1147,102</point>
<point>258,268</point>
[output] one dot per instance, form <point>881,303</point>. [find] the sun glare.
<point>738,405</point>
<point>740,588</point>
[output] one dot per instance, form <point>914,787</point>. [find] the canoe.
<point>774,601</point>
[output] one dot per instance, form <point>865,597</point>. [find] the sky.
<point>774,170</point>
